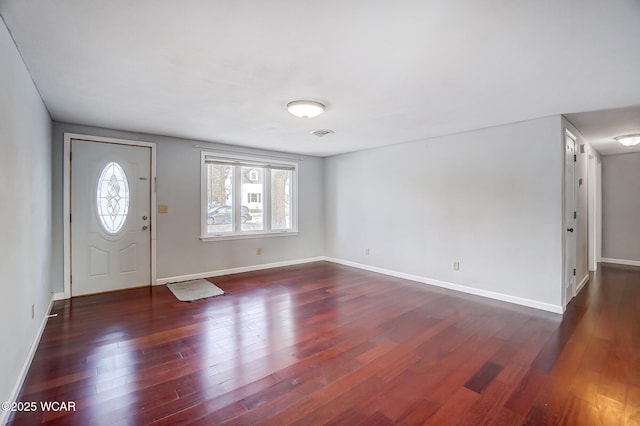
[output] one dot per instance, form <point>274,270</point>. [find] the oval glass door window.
<point>112,198</point>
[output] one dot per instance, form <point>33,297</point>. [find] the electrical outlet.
<point>366,252</point>
<point>258,251</point>
<point>456,266</point>
<point>33,311</point>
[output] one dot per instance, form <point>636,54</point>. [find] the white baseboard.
<point>621,261</point>
<point>58,296</point>
<point>217,273</point>
<point>4,415</point>
<point>584,282</point>
<point>557,309</point>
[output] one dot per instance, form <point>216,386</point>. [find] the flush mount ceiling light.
<point>305,109</point>
<point>629,140</point>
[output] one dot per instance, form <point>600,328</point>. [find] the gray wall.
<point>25,202</point>
<point>179,248</point>
<point>490,199</point>
<point>621,207</point>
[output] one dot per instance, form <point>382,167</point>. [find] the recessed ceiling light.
<point>321,132</point>
<point>629,140</point>
<point>305,109</point>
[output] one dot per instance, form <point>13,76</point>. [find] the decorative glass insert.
<point>112,198</point>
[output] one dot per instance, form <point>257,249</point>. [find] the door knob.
<point>569,229</point>
<point>145,227</point>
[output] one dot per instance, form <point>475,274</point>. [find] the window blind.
<point>245,163</point>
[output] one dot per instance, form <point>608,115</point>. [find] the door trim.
<point>565,224</point>
<point>67,202</point>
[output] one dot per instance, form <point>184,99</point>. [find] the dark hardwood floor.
<point>327,344</point>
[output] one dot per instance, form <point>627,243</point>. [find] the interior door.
<point>570,219</point>
<point>110,217</point>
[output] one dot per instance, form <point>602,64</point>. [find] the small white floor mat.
<point>189,291</point>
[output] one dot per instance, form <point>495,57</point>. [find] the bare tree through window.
<point>219,185</point>
<point>280,199</point>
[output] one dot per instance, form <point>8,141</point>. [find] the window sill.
<point>226,237</point>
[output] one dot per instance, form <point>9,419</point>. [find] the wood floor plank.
<point>322,343</point>
<point>522,398</point>
<point>632,406</point>
<point>487,406</point>
<point>506,417</point>
<point>419,412</point>
<point>483,377</point>
<point>458,402</point>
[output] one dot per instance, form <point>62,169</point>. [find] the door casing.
<point>570,248</point>
<point>67,202</point>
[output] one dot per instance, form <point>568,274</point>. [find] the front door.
<point>110,217</point>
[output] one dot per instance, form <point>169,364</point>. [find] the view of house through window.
<point>245,196</point>
<point>252,186</point>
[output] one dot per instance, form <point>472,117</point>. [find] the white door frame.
<point>565,224</point>
<point>67,201</point>
<point>592,199</point>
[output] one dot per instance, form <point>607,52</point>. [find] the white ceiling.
<point>389,72</point>
<point>601,127</point>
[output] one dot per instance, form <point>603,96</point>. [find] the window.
<point>247,197</point>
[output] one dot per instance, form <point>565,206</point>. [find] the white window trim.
<point>237,195</point>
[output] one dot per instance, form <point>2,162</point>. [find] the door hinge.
<point>69,217</point>
<point>575,158</point>
<point>574,272</point>
<point>575,215</point>
<point>70,279</point>
<point>70,155</point>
